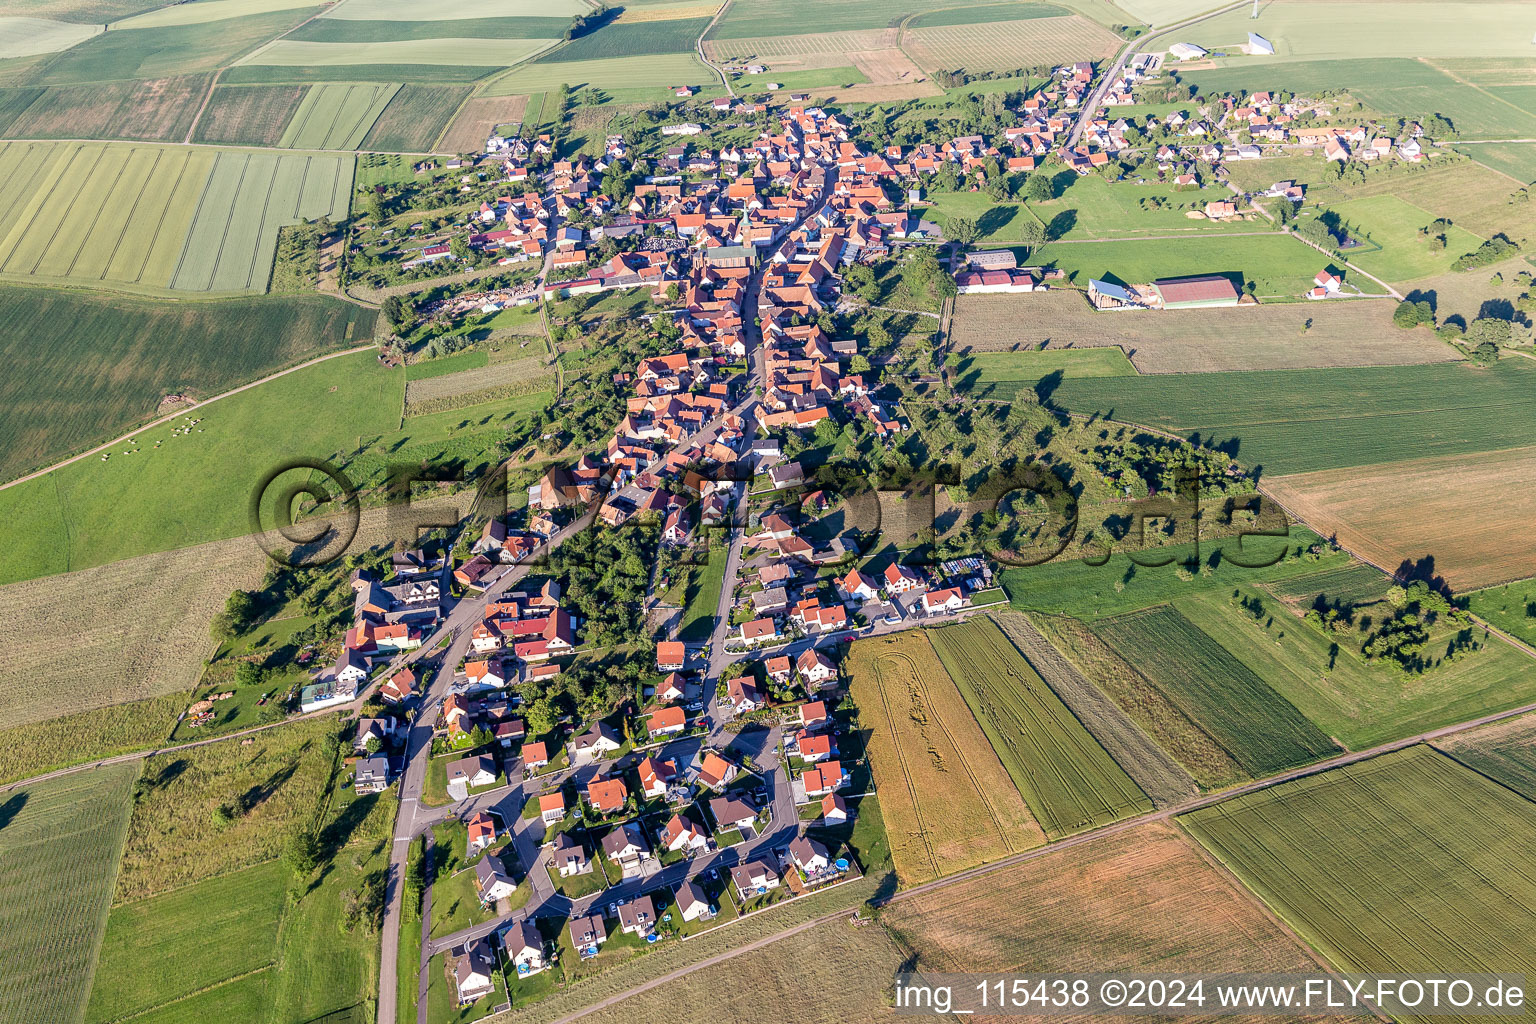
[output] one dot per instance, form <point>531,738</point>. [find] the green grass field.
<point>418,74</point>
<point>171,50</point>
<point>451,51</point>
<point>1275,264</point>
<point>1066,778</point>
<point>148,218</point>
<point>1389,85</point>
<point>337,116</point>
<point>1352,584</point>
<point>1359,30</point>
<point>196,486</point>
<point>248,115</point>
<point>1394,224</point>
<point>1002,375</point>
<point>632,39</point>
<point>1516,159</point>
<point>699,593</point>
<point>450,11</point>
<point>53,907</point>
<point>981,14</point>
<point>1261,731</point>
<point>1357,703</point>
<point>415,118</point>
<point>24,37</point>
<point>1399,865</point>
<point>343,30</point>
<point>84,368</point>
<point>1294,421</point>
<point>213,930</point>
<point>1511,608</point>
<point>657,71</point>
<point>747,19</point>
<point>205,11</point>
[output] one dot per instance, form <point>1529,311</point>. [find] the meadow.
<point>80,736</point>
<point>85,368</point>
<point>1356,702</point>
<point>1516,159</point>
<point>1005,45</point>
<point>1269,336</point>
<point>632,39</point>
<point>1068,780</point>
<point>1459,518</point>
<point>55,907</point>
<point>1504,751</point>
<point>248,115</point>
<point>1361,30</point>
<point>168,50</point>
<point>453,10</point>
<point>1475,199</point>
<point>1389,84</point>
<point>699,594</point>
<point>659,70</point>
<point>415,118</point>
<point>947,801</point>
<point>1297,421</point>
<point>1511,608</point>
<point>337,116</point>
<point>449,51</point>
<point>511,379</point>
<point>157,110</point>
<point>24,37</point>
<point>1314,851</point>
<point>345,30</point>
<point>1393,223</point>
<point>271,786</point>
<point>1259,729</point>
<point>1135,696</point>
<point>1001,375</point>
<point>1275,264</point>
<point>1143,900</point>
<point>205,11</point>
<point>195,487</point>
<point>981,14</point>
<point>149,218</point>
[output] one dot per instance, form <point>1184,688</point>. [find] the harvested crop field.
<point>1268,336</point>
<point>479,117</point>
<point>337,116</point>
<point>1068,780</point>
<point>1466,515</point>
<point>470,387</point>
<point>157,109</point>
<point>1505,751</point>
<point>1143,900</point>
<point>947,800</point>
<point>1004,45</point>
<point>1398,865</point>
<point>793,48</point>
<point>60,846</point>
<point>1157,774</point>
<point>1258,728</point>
<point>153,217</point>
<point>248,115</point>
<point>149,630</point>
<point>415,118</point>
<point>851,974</point>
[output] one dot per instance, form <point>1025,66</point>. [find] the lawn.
<point>84,368</point>
<point>1276,265</point>
<point>1255,725</point>
<point>337,116</point>
<point>55,907</point>
<point>1295,421</point>
<point>701,596</point>
<point>197,486</point>
<point>1358,703</point>
<point>1394,224</point>
<point>456,905</point>
<point>1398,865</point>
<point>1069,781</point>
<point>932,762</point>
<point>1511,608</point>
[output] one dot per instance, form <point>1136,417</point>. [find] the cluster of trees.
<point>1496,250</point>
<point>603,575</point>
<point>1402,639</point>
<point>1409,315</point>
<point>1148,462</point>
<point>591,21</point>
<point>298,254</point>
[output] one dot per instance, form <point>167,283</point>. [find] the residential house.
<point>379,731</point>
<point>809,856</point>
<point>655,776</point>
<point>813,714</point>
<point>780,669</point>
<point>525,948</point>
<point>692,903</point>
<point>899,579</point>
<point>670,655</point>
<point>790,474</point>
<point>599,741</point>
<point>569,856</point>
<point>681,832</point>
<point>715,771</point>
<point>827,777</point>
<point>743,696</point>
<point>940,602</point>
<point>370,775</point>
<point>834,809</point>
<point>626,845</point>
<point>588,935</point>
<point>815,668</point>
<point>672,688</point>
<point>469,773</point>
<point>668,721</point>
<point>399,688</point>
<point>638,916</point>
<point>729,812</point>
<point>607,796</point>
<point>474,971</point>
<point>552,807</point>
<point>857,587</point>
<point>816,748</point>
<point>535,755</point>
<point>482,833</point>
<point>492,881</point>
<point>754,878</point>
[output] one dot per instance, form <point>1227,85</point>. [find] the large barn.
<point>1195,292</point>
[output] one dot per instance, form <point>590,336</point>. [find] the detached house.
<point>525,948</point>
<point>692,903</point>
<point>815,668</point>
<point>588,935</point>
<point>492,882</point>
<point>474,972</point>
